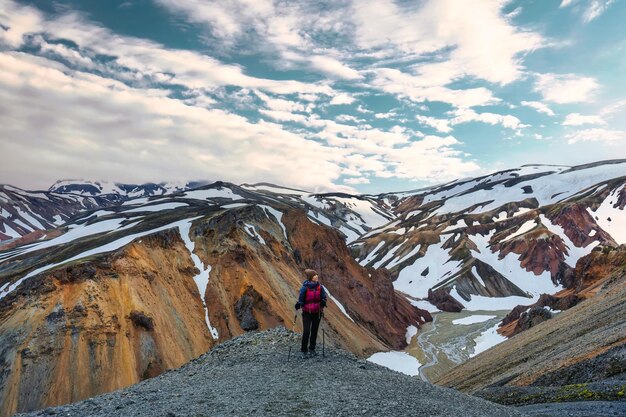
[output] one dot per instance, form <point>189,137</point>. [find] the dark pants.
<point>311,323</point>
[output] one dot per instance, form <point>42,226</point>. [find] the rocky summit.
<point>255,374</point>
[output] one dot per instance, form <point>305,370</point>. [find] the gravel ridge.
<point>577,409</point>
<point>254,375</point>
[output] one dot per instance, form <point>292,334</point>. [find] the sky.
<point>354,96</point>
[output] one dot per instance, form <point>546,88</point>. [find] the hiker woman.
<point>312,300</point>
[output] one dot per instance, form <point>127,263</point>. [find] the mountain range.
<point>103,285</point>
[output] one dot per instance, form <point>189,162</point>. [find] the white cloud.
<point>140,59</point>
<point>348,118</point>
<point>596,9</point>
<point>442,125</point>
<point>363,110</point>
<point>392,153</point>
<point>358,180</point>
<point>294,30</point>
<point>539,106</point>
<point>576,119</point>
<point>226,20</point>
<point>413,87</point>
<point>284,116</point>
<point>111,131</point>
<point>465,28</point>
<point>342,98</point>
<point>607,136</point>
<point>591,9</point>
<point>388,115</point>
<point>17,21</point>
<point>120,122</point>
<point>455,32</point>
<point>613,108</point>
<point>438,161</point>
<point>333,67</point>
<point>565,88</point>
<point>274,103</point>
<point>469,115</point>
<point>283,28</point>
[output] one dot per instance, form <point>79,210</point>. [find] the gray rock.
<point>250,375</point>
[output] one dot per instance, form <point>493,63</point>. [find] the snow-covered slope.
<point>23,212</point>
<point>98,188</point>
<point>512,235</point>
<point>352,215</point>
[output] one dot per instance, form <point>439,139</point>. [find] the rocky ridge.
<point>254,374</point>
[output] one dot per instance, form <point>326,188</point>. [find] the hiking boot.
<point>312,352</point>
<point>304,353</point>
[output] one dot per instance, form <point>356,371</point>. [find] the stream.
<point>442,345</point>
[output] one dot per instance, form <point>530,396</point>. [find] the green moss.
<point>572,388</point>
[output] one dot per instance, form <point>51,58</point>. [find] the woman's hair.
<point>309,274</point>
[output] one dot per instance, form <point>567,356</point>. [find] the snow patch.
<point>275,189</point>
<point>511,269</point>
<point>388,255</point>
<point>477,318</point>
<point>398,261</point>
<point>31,219</point>
<point>411,331</point>
<point>9,231</point>
<point>251,230</point>
<point>547,189</point>
<point>234,205</point>
<point>202,279</point>
<point>212,193</point>
<point>478,277</point>
<point>574,252</point>
<point>487,339</point>
<point>397,361</point>
<point>413,281</point>
<point>278,215</point>
<point>109,247</point>
<point>372,254</point>
<point>525,227</point>
<point>157,207</point>
<point>79,231</point>
<point>610,218</point>
<point>341,307</point>
<point>482,303</point>
<point>423,305</point>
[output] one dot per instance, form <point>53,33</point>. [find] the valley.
<point>448,341</point>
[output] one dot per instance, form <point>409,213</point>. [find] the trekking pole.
<point>293,328</point>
